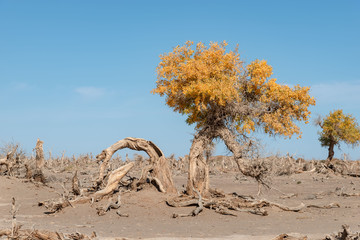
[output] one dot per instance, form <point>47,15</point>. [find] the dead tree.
<point>76,184</point>
<point>38,175</point>
<point>40,160</point>
<point>8,160</point>
<point>158,168</point>
<point>111,186</point>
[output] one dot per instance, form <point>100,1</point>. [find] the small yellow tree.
<point>338,127</point>
<point>224,98</point>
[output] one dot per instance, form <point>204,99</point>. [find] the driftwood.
<point>159,167</point>
<point>111,186</point>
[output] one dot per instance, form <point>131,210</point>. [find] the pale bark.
<point>112,185</point>
<point>40,160</point>
<point>113,181</point>
<point>234,146</point>
<point>76,185</point>
<point>198,175</point>
<point>8,161</point>
<point>38,175</point>
<point>159,166</point>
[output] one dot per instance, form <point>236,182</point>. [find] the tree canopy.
<point>338,127</point>
<point>214,87</point>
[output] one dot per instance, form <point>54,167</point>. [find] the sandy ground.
<point>150,217</point>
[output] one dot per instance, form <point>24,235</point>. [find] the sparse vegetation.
<point>73,178</point>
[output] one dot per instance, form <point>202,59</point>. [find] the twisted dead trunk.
<point>39,159</point>
<point>198,175</point>
<point>39,162</point>
<point>159,167</point>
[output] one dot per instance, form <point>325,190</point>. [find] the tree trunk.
<point>198,175</point>
<point>234,146</point>
<point>159,166</point>
<point>40,161</point>
<point>331,150</point>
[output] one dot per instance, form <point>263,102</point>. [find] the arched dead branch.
<point>159,168</point>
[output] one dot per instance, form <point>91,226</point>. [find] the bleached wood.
<point>159,166</point>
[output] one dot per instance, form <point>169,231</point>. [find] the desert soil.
<point>150,217</point>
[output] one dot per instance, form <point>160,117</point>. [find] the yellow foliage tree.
<point>338,127</point>
<point>224,98</point>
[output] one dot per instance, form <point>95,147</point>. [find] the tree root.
<point>238,203</point>
<point>196,211</point>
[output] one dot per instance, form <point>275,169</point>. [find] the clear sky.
<point>78,74</point>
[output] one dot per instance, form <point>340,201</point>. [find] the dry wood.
<point>4,161</point>
<point>24,234</point>
<point>76,184</point>
<point>8,160</point>
<point>39,158</point>
<point>33,234</point>
<point>328,206</point>
<point>196,211</point>
<point>198,173</point>
<point>240,203</point>
<point>112,185</point>
<point>38,175</point>
<point>28,174</point>
<point>111,205</point>
<point>344,234</point>
<point>159,166</point>
<point>113,181</point>
<point>288,237</point>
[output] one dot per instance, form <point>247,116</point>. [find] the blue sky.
<point>78,74</point>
